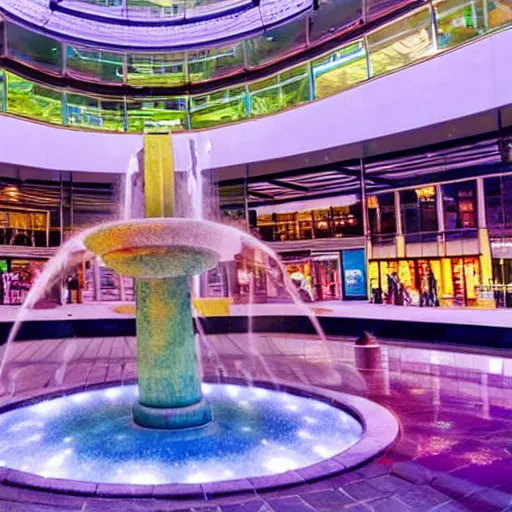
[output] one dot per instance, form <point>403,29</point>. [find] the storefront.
<point>299,265</point>
<point>18,276</point>
<point>443,281</point>
<point>248,276</point>
<point>315,275</point>
<point>326,276</point>
<point>502,271</point>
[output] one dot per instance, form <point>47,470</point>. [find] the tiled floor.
<point>455,410</point>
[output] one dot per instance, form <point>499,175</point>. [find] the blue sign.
<point>354,274</point>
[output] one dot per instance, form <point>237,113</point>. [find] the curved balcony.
<point>75,25</point>
<point>40,55</point>
<point>420,35</point>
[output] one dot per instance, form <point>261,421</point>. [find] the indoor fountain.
<point>171,428</point>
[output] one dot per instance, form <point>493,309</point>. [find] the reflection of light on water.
<point>279,465</point>
<point>47,407</point>
<point>138,456</point>
<point>323,451</point>
<point>144,479</point>
<point>112,393</point>
<point>25,424</point>
<point>198,478</point>
<point>233,391</point>
<point>58,459</point>
<point>79,398</point>
<point>33,438</point>
<point>260,393</point>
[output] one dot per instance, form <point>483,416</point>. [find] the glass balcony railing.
<point>422,33</point>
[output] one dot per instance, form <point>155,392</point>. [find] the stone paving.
<point>455,411</point>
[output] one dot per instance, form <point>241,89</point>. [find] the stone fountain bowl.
<point>159,248</point>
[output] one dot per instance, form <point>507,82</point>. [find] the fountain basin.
<point>160,262</point>
<point>261,438</point>
<point>162,247</point>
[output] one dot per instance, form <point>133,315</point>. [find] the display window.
<point>327,278</point>
<point>428,282</point>
<point>18,281</point>
<point>110,285</point>
<point>250,276</point>
<point>300,273</point>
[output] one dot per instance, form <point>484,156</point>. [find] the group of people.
<point>398,294</point>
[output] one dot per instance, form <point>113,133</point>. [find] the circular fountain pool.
<point>89,436</point>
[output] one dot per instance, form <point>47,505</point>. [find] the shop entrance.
<point>326,277</point>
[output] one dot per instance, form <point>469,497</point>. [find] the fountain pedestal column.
<point>170,394</point>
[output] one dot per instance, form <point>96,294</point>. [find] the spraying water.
<point>52,272</point>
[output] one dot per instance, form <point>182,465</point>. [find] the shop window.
<point>266,227</point>
<point>326,282</point>
<point>347,221</point>
<point>332,17</point>
<point>220,107</point>
<point>156,9</point>
<point>419,212</point>
<point>286,227</point>
<point>2,29</point>
<point>305,225</point>
<point>322,223</point>
<point>494,207</point>
<point>499,13</point>
<point>3,96</point>
<point>280,91</point>
<point>401,42</point>
<point>340,70</point>
<point>210,64</point>
<point>459,204</point>
<point>156,69</point>
<point>32,100</point>
<point>38,51</point>
<point>458,21</point>
<point>94,65</point>
<point>152,113</point>
<point>89,112</point>
<point>276,43</point>
<point>110,285</point>
<point>381,214</point>
<point>498,202</point>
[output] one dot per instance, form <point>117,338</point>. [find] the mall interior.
<point>255,255</point>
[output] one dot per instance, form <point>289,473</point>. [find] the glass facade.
<point>384,49</point>
<point>419,211</point>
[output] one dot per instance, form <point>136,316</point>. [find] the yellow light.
<point>12,192</point>
<point>426,192</point>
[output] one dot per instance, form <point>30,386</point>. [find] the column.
<point>441,235</point>
<point>399,238</point>
<point>170,395</point>
<point>366,226</point>
<point>483,235</point>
